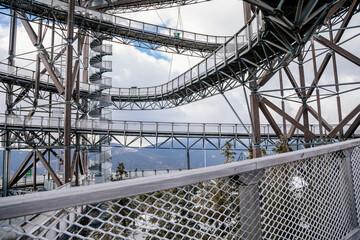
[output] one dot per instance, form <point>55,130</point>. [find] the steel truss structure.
<point>270,59</point>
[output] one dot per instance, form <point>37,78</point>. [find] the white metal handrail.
<point>175,128</point>
<point>229,49</point>
<point>308,193</point>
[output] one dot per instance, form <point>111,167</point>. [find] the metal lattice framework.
<point>115,6</point>
<point>306,194</point>
<point>279,45</point>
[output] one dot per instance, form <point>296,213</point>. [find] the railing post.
<point>249,203</point>
<point>350,162</point>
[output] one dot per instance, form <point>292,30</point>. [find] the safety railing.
<point>144,127</point>
<point>241,41</point>
<point>133,25</point>
<point>307,194</point>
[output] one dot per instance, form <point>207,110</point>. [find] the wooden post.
<point>282,100</point>
<point>303,96</point>
<point>68,88</point>
<point>34,172</point>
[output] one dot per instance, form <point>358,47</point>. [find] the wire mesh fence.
<point>305,198</point>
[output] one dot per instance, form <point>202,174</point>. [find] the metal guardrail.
<point>143,127</point>
<point>308,194</point>
<point>219,58</point>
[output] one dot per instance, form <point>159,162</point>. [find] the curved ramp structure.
<point>255,52</point>
<point>139,33</point>
<point>120,6</point>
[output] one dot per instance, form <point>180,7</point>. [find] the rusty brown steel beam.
<point>346,119</point>
<point>352,127</point>
<point>49,168</point>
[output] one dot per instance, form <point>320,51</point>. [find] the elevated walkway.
<point>255,51</point>
<point>154,36</point>
<point>120,6</point>
<point>162,135</point>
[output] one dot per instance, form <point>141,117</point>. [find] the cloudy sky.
<point>138,67</point>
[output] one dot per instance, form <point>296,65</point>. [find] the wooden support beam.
<point>318,75</point>
<point>282,100</point>
<point>49,168</point>
<point>293,81</point>
<point>289,118</point>
<point>77,62</point>
<point>24,171</point>
<point>353,127</point>
<point>346,20</point>
<point>349,56</point>
<point>38,61</point>
<point>81,164</point>
<point>346,119</point>
<point>255,117</point>
<point>68,90</point>
<point>293,127</point>
<point>319,118</point>
<point>73,163</point>
<point>335,8</point>
<point>33,37</point>
<point>267,75</point>
<point>16,177</point>
<point>337,38</point>
<point>270,119</point>
<point>21,96</point>
<point>34,173</point>
<point>326,125</point>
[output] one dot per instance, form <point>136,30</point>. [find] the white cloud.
<point>133,67</point>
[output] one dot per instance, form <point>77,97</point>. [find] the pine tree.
<point>120,172</point>
<point>227,153</point>
<point>282,146</point>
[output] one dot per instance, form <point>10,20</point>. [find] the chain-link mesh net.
<point>306,199</point>
<point>355,167</point>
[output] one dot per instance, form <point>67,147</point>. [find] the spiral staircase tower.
<point>99,101</point>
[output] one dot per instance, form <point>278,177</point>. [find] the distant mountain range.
<point>139,158</point>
